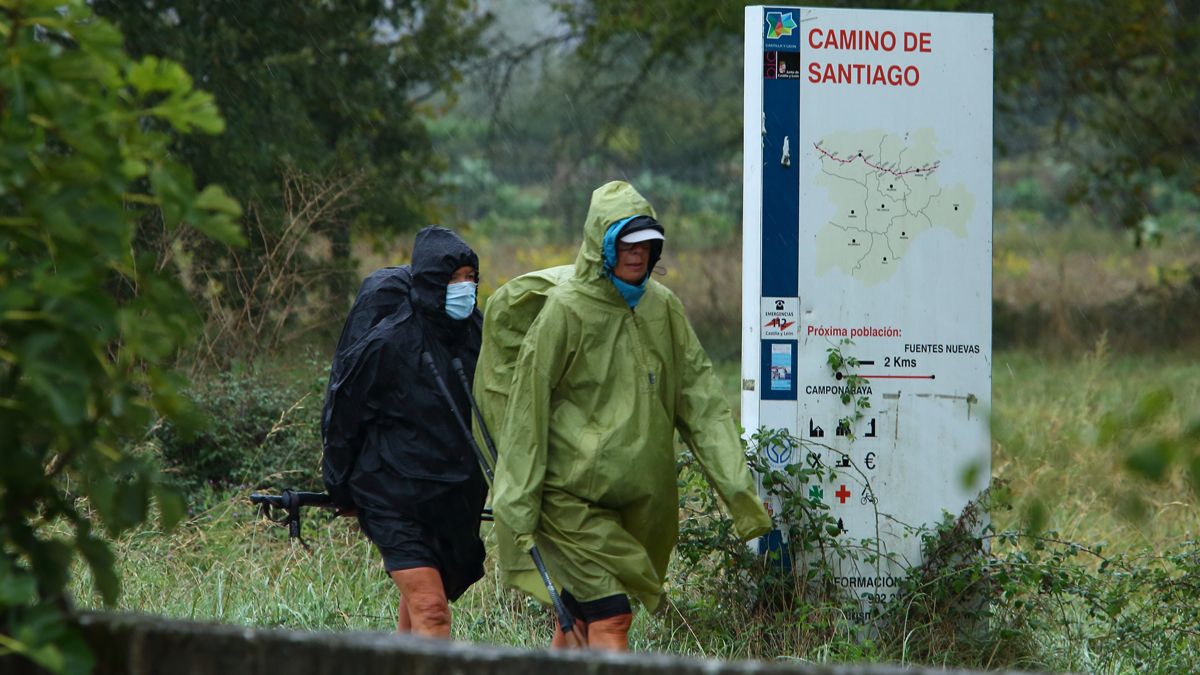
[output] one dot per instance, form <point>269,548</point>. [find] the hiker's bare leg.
<point>403,620</point>
<point>424,599</point>
<point>611,634</point>
<point>560,641</point>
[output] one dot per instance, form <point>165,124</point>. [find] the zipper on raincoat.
<point>639,352</point>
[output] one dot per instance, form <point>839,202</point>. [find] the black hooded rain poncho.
<point>392,448</point>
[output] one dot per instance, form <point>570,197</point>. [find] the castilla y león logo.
<point>779,24</point>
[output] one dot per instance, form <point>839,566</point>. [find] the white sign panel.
<point>867,218</point>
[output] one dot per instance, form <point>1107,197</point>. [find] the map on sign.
<point>887,191</point>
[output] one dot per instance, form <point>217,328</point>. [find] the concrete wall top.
<point>130,644</point>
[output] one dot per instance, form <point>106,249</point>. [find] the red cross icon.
<point>842,493</point>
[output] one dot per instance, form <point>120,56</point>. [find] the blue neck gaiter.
<point>631,293</point>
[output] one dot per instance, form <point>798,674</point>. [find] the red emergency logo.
<point>779,323</point>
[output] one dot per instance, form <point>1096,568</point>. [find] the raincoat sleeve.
<point>349,408</point>
<point>521,471</point>
<point>706,423</point>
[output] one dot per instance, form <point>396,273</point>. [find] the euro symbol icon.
<point>869,461</point>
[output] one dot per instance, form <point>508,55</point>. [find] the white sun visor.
<point>641,235</point>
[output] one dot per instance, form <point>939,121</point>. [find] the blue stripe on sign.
<point>781,182</point>
<point>772,543</point>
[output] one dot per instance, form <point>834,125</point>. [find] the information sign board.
<point>867,230</point>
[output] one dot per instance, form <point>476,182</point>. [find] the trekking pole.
<point>566,622</point>
<point>462,424</point>
<point>457,364</point>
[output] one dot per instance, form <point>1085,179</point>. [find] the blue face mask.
<point>460,299</point>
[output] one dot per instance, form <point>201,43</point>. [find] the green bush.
<point>784,602</point>
<point>981,598</point>
<point>89,327</point>
<point>263,432</point>
<point>1002,593</point>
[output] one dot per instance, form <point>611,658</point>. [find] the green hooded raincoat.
<point>586,422</point>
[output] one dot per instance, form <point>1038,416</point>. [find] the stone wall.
<point>128,644</point>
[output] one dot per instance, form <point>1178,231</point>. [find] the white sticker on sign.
<point>780,318</point>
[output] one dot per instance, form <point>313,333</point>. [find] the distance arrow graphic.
<point>840,376</point>
<point>898,377</point>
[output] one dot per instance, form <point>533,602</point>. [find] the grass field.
<point>227,565</point>
<point>1047,443</point>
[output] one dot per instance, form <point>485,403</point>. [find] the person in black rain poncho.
<point>393,453</point>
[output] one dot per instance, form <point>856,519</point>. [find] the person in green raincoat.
<point>586,416</point>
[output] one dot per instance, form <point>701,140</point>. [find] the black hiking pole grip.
<point>441,385</point>
<point>565,621</point>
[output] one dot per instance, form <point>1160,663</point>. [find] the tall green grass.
<point>226,564</point>
<point>1048,444</point>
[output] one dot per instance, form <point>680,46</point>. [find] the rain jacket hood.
<point>611,202</point>
<point>585,400</point>
<point>437,253</point>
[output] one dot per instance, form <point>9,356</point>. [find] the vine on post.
<point>841,366</point>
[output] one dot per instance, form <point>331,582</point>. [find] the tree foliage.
<point>314,92</point>
<point>314,87</point>
<point>560,119</point>
<point>86,323</point>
